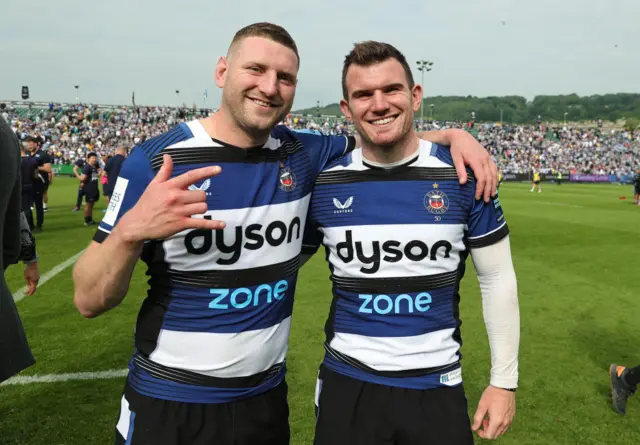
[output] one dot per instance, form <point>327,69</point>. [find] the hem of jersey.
<point>429,381</point>
<point>488,233</point>
<point>146,385</point>
<point>490,238</point>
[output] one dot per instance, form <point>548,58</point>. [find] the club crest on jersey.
<point>436,201</point>
<point>287,178</point>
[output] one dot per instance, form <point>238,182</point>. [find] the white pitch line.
<point>51,378</point>
<point>20,293</point>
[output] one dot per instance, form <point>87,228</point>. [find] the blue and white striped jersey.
<point>396,241</point>
<point>215,324</point>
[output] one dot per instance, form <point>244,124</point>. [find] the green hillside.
<point>516,109</point>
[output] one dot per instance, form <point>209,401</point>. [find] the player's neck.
<point>404,149</point>
<point>222,127</point>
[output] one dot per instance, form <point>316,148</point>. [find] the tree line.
<point>516,109</point>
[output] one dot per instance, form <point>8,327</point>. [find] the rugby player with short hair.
<point>397,227</point>
<point>41,185</point>
<point>29,174</point>
<point>77,170</point>
<point>216,208</point>
<point>90,188</point>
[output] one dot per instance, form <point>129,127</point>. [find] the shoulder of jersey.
<point>153,146</point>
<point>310,131</point>
<point>282,131</point>
<point>282,134</point>
<point>436,152</point>
<point>343,162</point>
<point>440,156</point>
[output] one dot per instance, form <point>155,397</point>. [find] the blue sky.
<point>155,47</point>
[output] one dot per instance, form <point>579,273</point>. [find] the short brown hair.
<point>370,53</point>
<point>268,31</point>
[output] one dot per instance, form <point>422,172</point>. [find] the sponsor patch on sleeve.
<point>116,201</point>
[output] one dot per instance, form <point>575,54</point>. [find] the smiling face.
<point>380,102</point>
<point>258,80</point>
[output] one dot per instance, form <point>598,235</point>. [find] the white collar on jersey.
<point>412,157</point>
<point>199,133</point>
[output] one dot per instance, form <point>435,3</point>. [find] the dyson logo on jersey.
<point>384,304</point>
<point>394,251</point>
<point>242,297</point>
<point>199,242</point>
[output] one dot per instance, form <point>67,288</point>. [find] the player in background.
<point>222,254</point>
<point>536,181</point>
<point>77,170</point>
<point>636,188</point>
<point>28,174</point>
<point>500,178</point>
<point>397,227</point>
<point>90,188</point>
<point>112,170</point>
<point>624,382</point>
<point>45,195</point>
<point>42,184</point>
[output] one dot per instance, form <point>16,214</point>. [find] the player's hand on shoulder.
<point>495,412</point>
<point>466,150</point>
<point>167,205</point>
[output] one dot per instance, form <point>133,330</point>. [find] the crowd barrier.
<point>62,169</point>
<point>527,177</point>
<point>67,170</point>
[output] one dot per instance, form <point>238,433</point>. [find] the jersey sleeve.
<point>87,169</point>
<point>324,148</point>
<point>135,176</point>
<point>487,224</point>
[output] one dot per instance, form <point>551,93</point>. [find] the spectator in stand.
<point>69,133</point>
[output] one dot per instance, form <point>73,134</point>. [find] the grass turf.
<point>572,246</point>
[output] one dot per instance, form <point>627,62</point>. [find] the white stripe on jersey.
<point>202,139</point>
<point>399,353</point>
<point>223,355</point>
<point>404,233</point>
<point>179,259</point>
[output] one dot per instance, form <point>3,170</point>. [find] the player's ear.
<point>221,71</point>
<point>344,107</point>
<point>416,96</point>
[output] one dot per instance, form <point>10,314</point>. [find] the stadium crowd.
<point>69,133</point>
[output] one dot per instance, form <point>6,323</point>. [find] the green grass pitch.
<point>574,249</point>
